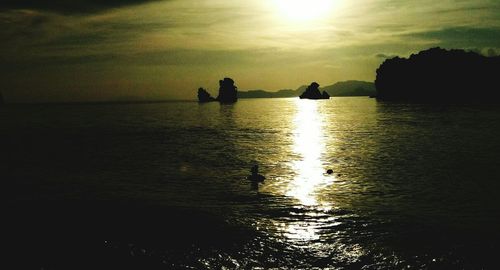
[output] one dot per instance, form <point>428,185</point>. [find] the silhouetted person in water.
<point>255,176</point>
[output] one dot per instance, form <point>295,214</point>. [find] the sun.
<point>304,10</point>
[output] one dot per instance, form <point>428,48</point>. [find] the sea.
<point>164,185</point>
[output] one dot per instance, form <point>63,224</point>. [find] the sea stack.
<point>228,92</point>
<point>204,96</point>
<point>312,92</point>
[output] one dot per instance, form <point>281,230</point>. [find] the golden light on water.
<point>309,148</point>
<point>301,231</point>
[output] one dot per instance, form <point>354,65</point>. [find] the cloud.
<point>461,37</point>
<point>69,6</point>
<point>385,56</point>
<point>200,58</point>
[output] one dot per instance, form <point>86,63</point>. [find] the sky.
<point>98,50</point>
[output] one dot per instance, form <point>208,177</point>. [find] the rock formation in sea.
<point>228,92</point>
<point>439,75</point>
<point>204,96</point>
<point>312,92</point>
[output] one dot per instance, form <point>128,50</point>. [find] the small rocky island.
<point>312,92</point>
<point>204,96</point>
<point>438,75</point>
<point>228,92</point>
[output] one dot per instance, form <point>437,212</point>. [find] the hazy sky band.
<point>95,50</point>
<point>69,7</point>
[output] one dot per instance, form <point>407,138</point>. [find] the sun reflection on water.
<point>310,175</point>
<point>309,147</point>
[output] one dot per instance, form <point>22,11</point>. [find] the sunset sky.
<point>165,49</point>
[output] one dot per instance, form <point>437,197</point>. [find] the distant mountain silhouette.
<point>228,92</point>
<point>339,89</point>
<point>266,94</point>
<point>439,75</point>
<point>350,88</point>
<point>312,92</point>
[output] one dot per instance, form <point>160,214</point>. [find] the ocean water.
<point>163,185</point>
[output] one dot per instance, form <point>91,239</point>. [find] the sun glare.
<point>310,147</point>
<point>304,10</point>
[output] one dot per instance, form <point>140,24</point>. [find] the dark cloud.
<point>21,28</point>
<point>184,57</point>
<point>173,57</point>
<point>75,40</point>
<point>46,62</point>
<point>461,37</point>
<point>69,6</point>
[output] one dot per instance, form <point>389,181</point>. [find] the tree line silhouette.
<point>439,75</point>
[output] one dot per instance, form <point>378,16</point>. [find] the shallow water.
<point>413,185</point>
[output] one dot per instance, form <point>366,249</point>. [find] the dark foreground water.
<point>163,186</point>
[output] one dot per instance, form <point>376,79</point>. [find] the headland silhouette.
<point>439,76</point>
